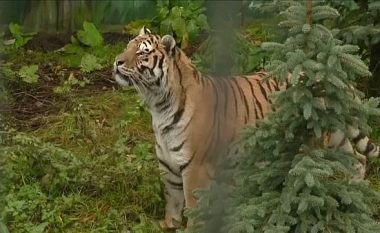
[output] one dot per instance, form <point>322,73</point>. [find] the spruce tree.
<point>279,176</point>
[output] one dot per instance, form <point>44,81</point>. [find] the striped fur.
<point>195,117</point>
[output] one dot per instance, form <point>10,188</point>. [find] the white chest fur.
<point>167,143</point>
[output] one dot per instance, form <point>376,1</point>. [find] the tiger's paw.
<point>170,224</point>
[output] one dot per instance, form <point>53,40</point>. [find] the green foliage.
<point>89,36</point>
<point>247,54</point>
<point>20,38</point>
<point>90,63</point>
<point>3,228</point>
<point>75,55</point>
<point>134,27</point>
<point>115,12</point>
<point>356,24</point>
<point>81,174</point>
<point>69,84</point>
<point>184,19</point>
<point>94,55</point>
<point>28,73</point>
<point>7,72</point>
<point>146,225</point>
<point>284,179</point>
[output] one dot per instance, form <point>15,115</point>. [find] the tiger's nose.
<point>119,62</point>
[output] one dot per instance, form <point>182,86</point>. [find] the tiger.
<point>195,116</point>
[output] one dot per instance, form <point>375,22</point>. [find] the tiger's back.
<point>222,106</point>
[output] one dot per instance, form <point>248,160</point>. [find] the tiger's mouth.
<point>121,79</point>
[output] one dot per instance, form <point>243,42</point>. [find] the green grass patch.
<point>69,57</point>
<point>90,168</point>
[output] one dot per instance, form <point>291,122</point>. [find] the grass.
<point>85,161</point>
<point>104,178</point>
<point>94,123</point>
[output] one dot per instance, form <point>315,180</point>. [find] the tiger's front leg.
<point>174,201</point>
<point>174,195</point>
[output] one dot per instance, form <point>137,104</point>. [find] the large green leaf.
<point>15,29</point>
<point>90,36</point>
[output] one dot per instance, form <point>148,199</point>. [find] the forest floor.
<point>77,150</point>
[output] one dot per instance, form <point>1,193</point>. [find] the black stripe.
<point>287,84</point>
<point>369,148</point>
<point>268,85</point>
<point>216,106</point>
<point>177,148</point>
<point>187,125</point>
<point>225,94</point>
<point>358,138</point>
<point>216,98</point>
<point>184,166</point>
<point>164,99</point>
<point>342,142</point>
<point>255,100</point>
<point>235,100</point>
<point>242,96</point>
<point>202,79</point>
<point>276,87</point>
<point>157,82</point>
<point>177,116</point>
<point>142,68</point>
<point>175,185</point>
<point>155,57</point>
<point>165,106</point>
<point>214,131</point>
<point>160,64</point>
<point>263,91</point>
<point>195,73</point>
<point>168,168</point>
<point>181,108</point>
<point>179,74</point>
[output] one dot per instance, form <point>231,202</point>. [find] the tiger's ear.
<point>144,31</point>
<point>169,43</point>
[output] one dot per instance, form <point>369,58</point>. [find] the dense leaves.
<point>186,20</point>
<point>20,38</point>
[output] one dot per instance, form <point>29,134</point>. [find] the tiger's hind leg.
<point>195,176</point>
<point>362,143</point>
<point>338,140</point>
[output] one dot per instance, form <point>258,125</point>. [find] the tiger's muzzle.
<point>120,78</point>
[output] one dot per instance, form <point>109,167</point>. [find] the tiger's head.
<point>145,61</point>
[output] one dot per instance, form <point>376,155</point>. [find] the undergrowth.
<point>90,168</point>
<point>76,155</point>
